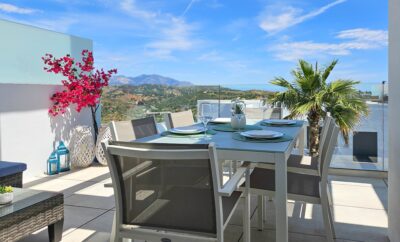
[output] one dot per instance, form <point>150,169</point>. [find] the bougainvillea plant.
<point>83,84</point>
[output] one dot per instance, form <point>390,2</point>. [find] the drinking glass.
<point>264,107</point>
<point>205,115</point>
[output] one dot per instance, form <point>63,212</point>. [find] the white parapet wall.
<point>27,133</point>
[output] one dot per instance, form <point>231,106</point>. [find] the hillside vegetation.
<point>129,102</point>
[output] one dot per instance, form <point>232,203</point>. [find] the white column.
<point>394,120</point>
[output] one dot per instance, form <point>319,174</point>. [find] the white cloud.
<point>175,37</point>
<point>352,39</point>
<point>289,16</point>
<point>9,8</point>
<point>130,7</point>
<point>229,62</point>
<point>365,38</point>
<point>212,56</point>
<point>167,32</point>
<point>189,6</point>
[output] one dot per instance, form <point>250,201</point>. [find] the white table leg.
<point>281,198</point>
<point>301,140</point>
<point>246,212</point>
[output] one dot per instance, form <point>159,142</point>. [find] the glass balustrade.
<point>365,148</point>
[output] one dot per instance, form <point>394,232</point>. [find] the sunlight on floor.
<point>359,209</point>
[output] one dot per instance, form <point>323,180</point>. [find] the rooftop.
<point>360,210</point>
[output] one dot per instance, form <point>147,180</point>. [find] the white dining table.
<point>256,153</point>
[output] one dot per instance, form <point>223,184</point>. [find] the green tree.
<point>309,94</point>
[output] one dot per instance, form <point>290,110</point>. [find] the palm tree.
<point>309,94</point>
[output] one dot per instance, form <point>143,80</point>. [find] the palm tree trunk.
<point>313,120</point>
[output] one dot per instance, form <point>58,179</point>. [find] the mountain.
<point>147,79</point>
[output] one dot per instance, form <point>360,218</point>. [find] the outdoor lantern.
<point>63,157</point>
<point>52,164</point>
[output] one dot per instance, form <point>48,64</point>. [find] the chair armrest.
<point>231,185</point>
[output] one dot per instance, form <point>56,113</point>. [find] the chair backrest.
<point>324,132</point>
<point>165,186</point>
<point>328,150</point>
<point>133,129</point>
<point>144,127</point>
<point>179,119</point>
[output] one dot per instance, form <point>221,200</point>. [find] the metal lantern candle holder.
<point>53,164</point>
<point>64,163</point>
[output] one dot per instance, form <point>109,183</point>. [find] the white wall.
<point>394,117</point>
<point>27,132</point>
<point>23,46</point>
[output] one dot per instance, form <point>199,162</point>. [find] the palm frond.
<point>282,82</point>
<point>327,71</point>
<point>306,68</point>
<point>341,87</point>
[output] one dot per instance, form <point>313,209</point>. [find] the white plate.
<point>279,121</point>
<point>221,120</point>
<point>187,130</point>
<point>262,134</point>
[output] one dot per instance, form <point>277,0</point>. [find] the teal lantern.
<point>64,163</point>
<point>52,164</point>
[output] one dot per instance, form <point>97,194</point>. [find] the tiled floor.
<point>360,210</point>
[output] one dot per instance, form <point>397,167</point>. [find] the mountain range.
<point>147,79</point>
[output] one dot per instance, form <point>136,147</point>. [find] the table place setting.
<point>228,127</point>
<point>188,132</point>
<point>281,123</point>
<point>261,136</point>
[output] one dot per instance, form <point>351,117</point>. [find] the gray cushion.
<point>303,162</point>
<point>298,184</point>
<point>189,208</point>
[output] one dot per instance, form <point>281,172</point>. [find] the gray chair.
<point>133,129</point>
<point>303,187</point>
<point>307,164</point>
<point>273,113</point>
<point>178,119</point>
<point>176,193</point>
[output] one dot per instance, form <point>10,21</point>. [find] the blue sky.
<point>231,42</point>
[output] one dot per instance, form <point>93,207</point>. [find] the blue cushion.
<point>9,168</point>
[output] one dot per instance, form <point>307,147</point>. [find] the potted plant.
<point>83,87</point>
<point>238,119</point>
<point>83,84</point>
<point>6,194</point>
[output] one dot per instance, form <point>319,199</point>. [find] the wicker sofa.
<point>11,173</point>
